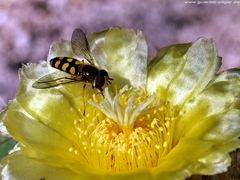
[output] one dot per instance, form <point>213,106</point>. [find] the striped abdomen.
<point>66,64</point>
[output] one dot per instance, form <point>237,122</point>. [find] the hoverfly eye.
<point>98,81</point>
<point>103,73</point>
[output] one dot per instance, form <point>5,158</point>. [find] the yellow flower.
<point>168,119</point>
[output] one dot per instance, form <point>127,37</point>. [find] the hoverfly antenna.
<point>109,80</point>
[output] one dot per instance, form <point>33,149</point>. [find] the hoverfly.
<point>74,70</point>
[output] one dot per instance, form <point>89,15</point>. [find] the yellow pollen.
<point>151,133</point>
<point>167,124</point>
<point>167,118</point>
<point>160,128</point>
<point>164,144</point>
<point>70,149</point>
<point>84,143</point>
<point>75,151</point>
<point>125,132</point>
<point>75,122</point>
<point>148,116</point>
<point>161,108</point>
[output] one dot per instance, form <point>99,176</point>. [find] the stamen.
<point>113,109</point>
<point>127,111</point>
<point>125,131</point>
<point>140,108</point>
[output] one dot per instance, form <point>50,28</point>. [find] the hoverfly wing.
<point>54,79</point>
<point>80,45</point>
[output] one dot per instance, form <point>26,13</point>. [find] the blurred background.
<point>28,27</point>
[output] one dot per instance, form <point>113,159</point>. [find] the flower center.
<point>128,131</point>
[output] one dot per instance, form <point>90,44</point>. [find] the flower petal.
<point>191,75</point>
<point>219,98</point>
<point>207,130</point>
<point>228,75</point>
<point>18,166</point>
<point>162,69</point>
<point>220,127</point>
<point>40,142</point>
<point>123,53</point>
<point>32,133</point>
<point>54,108</point>
<point>194,156</point>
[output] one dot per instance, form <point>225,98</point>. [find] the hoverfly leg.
<point>84,100</point>
<point>100,92</point>
<point>109,80</point>
<point>101,89</point>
